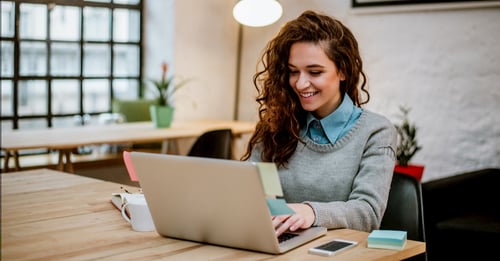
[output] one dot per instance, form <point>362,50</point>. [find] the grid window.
<point>65,61</point>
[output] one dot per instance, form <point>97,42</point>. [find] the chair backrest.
<point>133,110</point>
<point>213,144</point>
<point>404,207</point>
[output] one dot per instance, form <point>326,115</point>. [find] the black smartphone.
<point>333,247</point>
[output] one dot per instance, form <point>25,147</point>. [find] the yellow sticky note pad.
<point>270,179</point>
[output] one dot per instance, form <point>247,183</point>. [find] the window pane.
<point>65,23</point>
<point>126,62</point>
<point>7,59</point>
<point>32,98</point>
<point>61,122</point>
<point>7,97</point>
<point>132,2</point>
<point>126,25</point>
<point>96,60</point>
<point>125,89</point>
<point>33,59</point>
<point>25,124</point>
<point>6,126</point>
<point>65,97</point>
<point>96,96</point>
<point>65,59</point>
<point>7,19</point>
<point>33,23</point>
<point>96,24</point>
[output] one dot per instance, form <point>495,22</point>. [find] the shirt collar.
<point>335,122</point>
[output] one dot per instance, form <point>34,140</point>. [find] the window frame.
<point>110,77</point>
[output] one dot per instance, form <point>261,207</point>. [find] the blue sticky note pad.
<point>278,207</point>
<point>387,239</point>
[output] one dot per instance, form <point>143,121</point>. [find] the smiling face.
<point>315,78</point>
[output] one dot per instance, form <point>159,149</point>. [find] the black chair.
<point>213,144</point>
<point>405,209</point>
<point>462,217</point>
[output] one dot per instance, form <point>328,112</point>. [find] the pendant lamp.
<point>257,13</point>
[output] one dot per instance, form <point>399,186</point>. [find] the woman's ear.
<point>341,76</point>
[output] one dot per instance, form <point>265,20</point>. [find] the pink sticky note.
<point>129,166</point>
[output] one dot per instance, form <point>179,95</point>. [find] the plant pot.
<point>413,170</point>
<point>161,116</point>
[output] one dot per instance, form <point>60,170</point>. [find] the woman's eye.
<point>315,72</point>
<point>293,72</point>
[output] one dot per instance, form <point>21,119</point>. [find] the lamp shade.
<point>257,13</point>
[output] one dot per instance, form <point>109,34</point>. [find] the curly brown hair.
<point>278,129</point>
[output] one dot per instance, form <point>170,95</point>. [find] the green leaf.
<point>407,138</point>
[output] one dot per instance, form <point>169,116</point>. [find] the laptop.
<point>214,201</point>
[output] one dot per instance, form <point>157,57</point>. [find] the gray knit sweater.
<point>346,183</point>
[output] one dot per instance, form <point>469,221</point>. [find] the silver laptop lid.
<point>207,200</point>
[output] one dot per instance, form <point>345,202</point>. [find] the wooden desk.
<point>65,140</point>
<point>51,215</point>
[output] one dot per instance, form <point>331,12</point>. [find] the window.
<point>67,60</point>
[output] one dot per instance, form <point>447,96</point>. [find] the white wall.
<point>444,64</point>
<point>205,50</point>
<point>159,36</point>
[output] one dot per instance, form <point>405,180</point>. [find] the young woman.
<point>335,159</point>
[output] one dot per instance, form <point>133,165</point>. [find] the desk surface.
<point>66,139</point>
<point>133,132</point>
<point>52,215</point>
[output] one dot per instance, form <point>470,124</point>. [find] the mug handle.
<point>124,212</point>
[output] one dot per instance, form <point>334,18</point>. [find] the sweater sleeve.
<point>367,201</point>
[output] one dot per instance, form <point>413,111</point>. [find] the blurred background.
<point>67,60</point>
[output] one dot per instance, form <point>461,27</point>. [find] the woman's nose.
<point>302,82</point>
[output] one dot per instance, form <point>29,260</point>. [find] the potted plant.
<point>407,146</point>
<point>162,112</point>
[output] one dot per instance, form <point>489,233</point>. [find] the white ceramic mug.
<point>140,217</point>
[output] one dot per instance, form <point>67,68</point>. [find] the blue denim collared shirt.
<point>335,125</point>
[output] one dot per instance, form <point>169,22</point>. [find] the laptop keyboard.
<point>286,236</point>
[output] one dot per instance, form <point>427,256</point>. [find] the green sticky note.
<point>278,207</point>
<point>269,177</point>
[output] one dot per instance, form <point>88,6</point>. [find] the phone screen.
<point>332,247</point>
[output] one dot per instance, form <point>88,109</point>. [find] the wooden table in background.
<point>65,140</point>
<point>52,215</point>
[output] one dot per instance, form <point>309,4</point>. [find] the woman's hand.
<point>302,219</point>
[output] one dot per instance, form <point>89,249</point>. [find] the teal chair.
<point>133,110</point>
